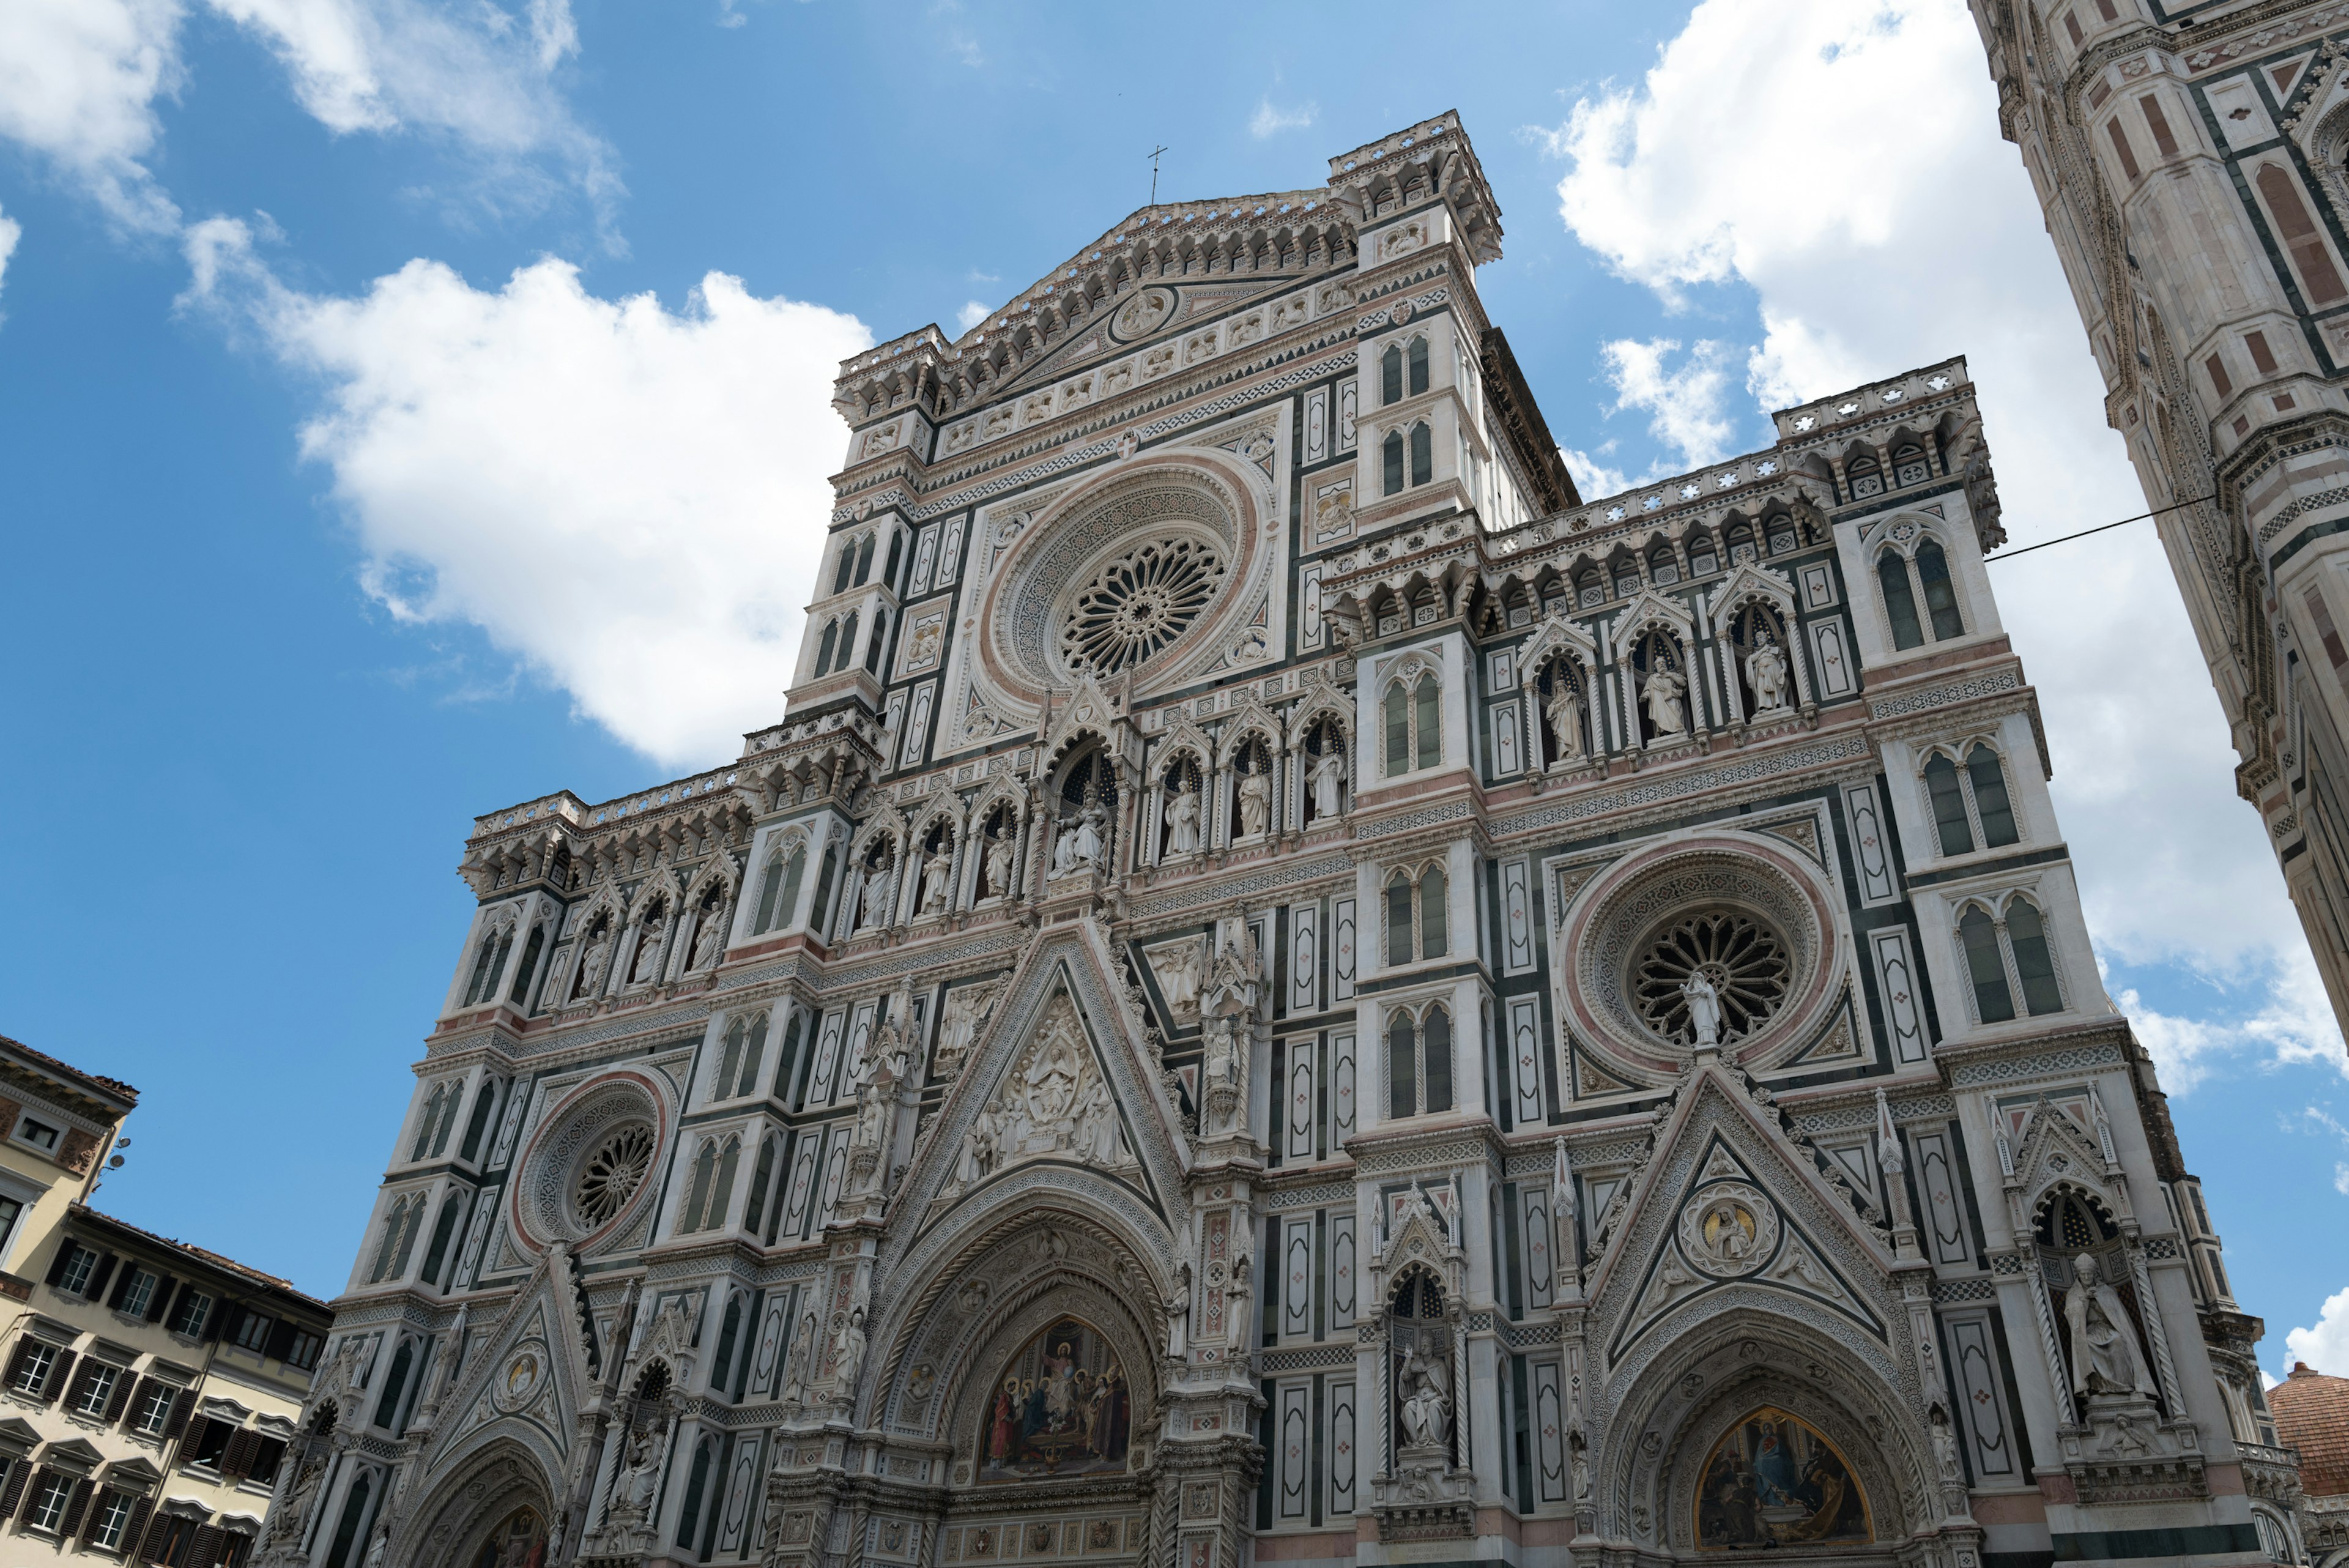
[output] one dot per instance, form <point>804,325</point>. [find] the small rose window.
<point>1747,961</point>
<point>611,1173</point>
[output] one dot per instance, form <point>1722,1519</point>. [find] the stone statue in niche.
<point>1661,693</point>
<point>2106,1358</point>
<point>934,883</point>
<point>876,896</point>
<point>852,1354</point>
<point>796,1360</point>
<point>1327,778</point>
<point>1765,671</point>
<point>1182,821</point>
<point>1703,1009</point>
<point>1179,1314</point>
<point>1255,805</point>
<point>590,967</point>
<point>1065,849</point>
<point>999,866</point>
<point>1565,713</point>
<point>1426,1408</point>
<point>711,940</point>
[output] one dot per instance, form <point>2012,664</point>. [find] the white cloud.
<point>629,500</point>
<point>1687,411</point>
<point>2341,1177</point>
<point>2292,1022</point>
<point>1271,121</point>
<point>78,81</point>
<point>2325,1347</point>
<point>972,314</point>
<point>478,76</point>
<point>11,231</point>
<point>1679,182</point>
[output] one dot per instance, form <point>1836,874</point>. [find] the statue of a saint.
<point>1425,1406</point>
<point>1088,835</point>
<point>2105,1355</point>
<point>710,940</point>
<point>934,883</point>
<point>852,1354</point>
<point>1179,1314</point>
<point>1064,848</point>
<point>1328,774</point>
<point>876,896</point>
<point>1565,712</point>
<point>1766,671</point>
<point>1096,1125</point>
<point>1703,1009</point>
<point>1255,805</point>
<point>796,1360</point>
<point>590,967</point>
<point>1182,821</point>
<point>999,866</point>
<point>1662,695</point>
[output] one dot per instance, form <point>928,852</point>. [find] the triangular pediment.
<point>1728,1206</point>
<point>526,1379</point>
<point>1058,1079</point>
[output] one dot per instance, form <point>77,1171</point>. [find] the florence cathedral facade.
<point>1285,989</point>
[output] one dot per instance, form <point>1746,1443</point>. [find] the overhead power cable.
<point>2066,538</point>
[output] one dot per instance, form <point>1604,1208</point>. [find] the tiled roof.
<point>205,1255</point>
<point>2311,1414</point>
<point>111,1085</point>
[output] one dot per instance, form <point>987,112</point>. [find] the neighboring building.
<point>2191,161</point>
<point>1183,1044</point>
<point>2312,1418</point>
<point>146,1387</point>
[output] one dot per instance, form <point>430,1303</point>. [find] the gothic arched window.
<point>1899,600</point>
<point>1971,805</point>
<point>2007,954</point>
<point>1418,1062</point>
<point>847,565</point>
<point>434,1105</point>
<point>755,1210</point>
<point>1391,374</point>
<point>824,644</point>
<point>847,642</point>
<point>1423,454</point>
<point>1940,597</point>
<point>1416,357</point>
<point>1391,463</point>
<point>532,950</point>
<point>865,560</point>
<point>438,1249</point>
<point>787,1058</point>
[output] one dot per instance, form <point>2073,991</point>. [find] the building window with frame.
<point>712,1192</point>
<point>74,1278</point>
<point>1970,804</point>
<point>47,1509</point>
<point>2008,955</point>
<point>195,1310</point>
<point>304,1352</point>
<point>1418,1062</point>
<point>211,1442</point>
<point>110,1518</point>
<point>497,943</point>
<point>737,1061</point>
<point>179,1546</point>
<point>153,1414</point>
<point>37,1133</point>
<point>99,1382</point>
<point>252,1331</point>
<point>36,1359</point>
<point>138,1294</point>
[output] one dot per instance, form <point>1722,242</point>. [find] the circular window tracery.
<point>1748,963</point>
<point>1138,603</point>
<point>611,1175</point>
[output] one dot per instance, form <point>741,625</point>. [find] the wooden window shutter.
<point>96,1289</point>
<point>80,1384</point>
<point>236,1460</point>
<point>23,1353</point>
<point>211,1545</point>
<point>12,1490</point>
<point>32,1492</point>
<point>157,1531</point>
<point>139,1509</point>
<point>183,1404</point>
<point>70,1523</point>
<point>121,1287</point>
<point>281,1340</point>
<point>57,1264</point>
<point>120,1401</point>
<point>60,1376</point>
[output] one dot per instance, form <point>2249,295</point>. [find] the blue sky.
<point>408,410</point>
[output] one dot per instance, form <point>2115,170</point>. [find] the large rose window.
<point>1138,603</point>
<point>610,1176</point>
<point>590,1165</point>
<point>1745,959</point>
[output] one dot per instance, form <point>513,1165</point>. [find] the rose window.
<point>1747,961</point>
<point>611,1175</point>
<point>1139,603</point>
